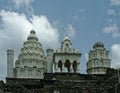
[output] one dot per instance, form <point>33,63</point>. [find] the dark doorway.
<point>67,65</point>
<point>60,65</point>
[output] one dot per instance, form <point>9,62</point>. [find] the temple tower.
<point>10,63</point>
<point>66,59</point>
<point>98,59</point>
<point>31,61</point>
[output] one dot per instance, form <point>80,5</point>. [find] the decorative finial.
<point>32,35</point>
<point>32,31</point>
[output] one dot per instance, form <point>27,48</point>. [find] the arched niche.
<point>67,65</point>
<point>74,66</point>
<point>60,65</point>
<point>67,45</point>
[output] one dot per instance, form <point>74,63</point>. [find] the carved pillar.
<point>63,66</point>
<point>56,67</point>
<point>71,68</point>
<point>78,66</point>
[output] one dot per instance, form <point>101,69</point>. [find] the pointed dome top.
<point>32,36</point>
<point>66,38</point>
<point>32,32</point>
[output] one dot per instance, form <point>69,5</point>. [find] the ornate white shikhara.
<point>31,62</point>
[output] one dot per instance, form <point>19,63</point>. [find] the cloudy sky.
<point>84,21</point>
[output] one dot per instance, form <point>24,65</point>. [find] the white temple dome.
<point>32,36</point>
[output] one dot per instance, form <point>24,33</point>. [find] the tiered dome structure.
<point>98,60</point>
<point>31,62</point>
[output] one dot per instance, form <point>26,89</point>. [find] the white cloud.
<point>15,28</point>
<point>111,12</point>
<point>19,3</point>
<point>48,35</point>
<point>115,55</point>
<point>80,15</point>
<point>114,2</point>
<point>71,32</point>
<point>112,28</point>
<point>18,26</point>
